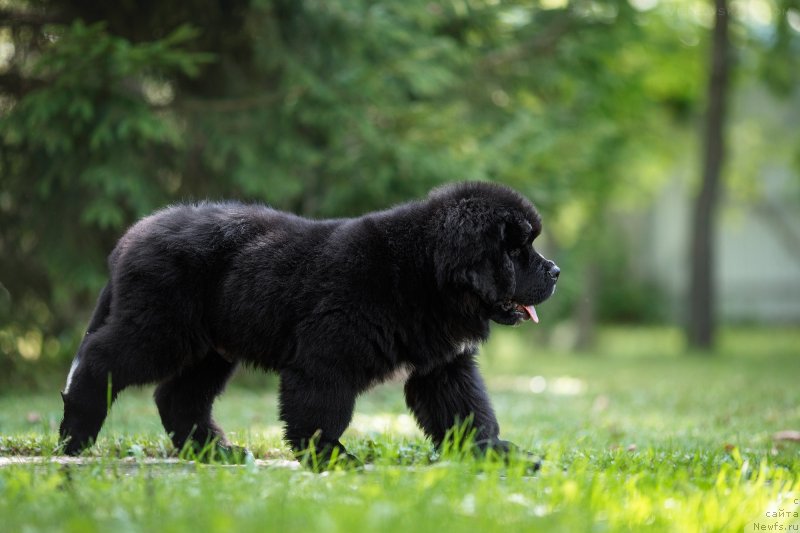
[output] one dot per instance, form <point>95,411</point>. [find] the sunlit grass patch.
<point>608,490</point>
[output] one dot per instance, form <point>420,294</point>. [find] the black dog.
<point>333,306</point>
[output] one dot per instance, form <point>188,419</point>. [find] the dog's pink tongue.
<point>532,313</point>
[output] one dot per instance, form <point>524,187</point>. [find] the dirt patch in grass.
<point>135,462</point>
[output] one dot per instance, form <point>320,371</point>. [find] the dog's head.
<point>484,248</point>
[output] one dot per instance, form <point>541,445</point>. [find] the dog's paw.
<point>512,454</point>
<point>216,453</point>
<point>73,445</point>
<point>329,456</point>
<point>234,455</point>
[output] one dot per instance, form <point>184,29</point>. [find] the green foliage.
<point>328,109</point>
<point>78,156</point>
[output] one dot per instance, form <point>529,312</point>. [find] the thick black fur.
<point>333,306</point>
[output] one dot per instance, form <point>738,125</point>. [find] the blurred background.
<point>658,138</point>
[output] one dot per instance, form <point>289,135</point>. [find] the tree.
<point>701,289</point>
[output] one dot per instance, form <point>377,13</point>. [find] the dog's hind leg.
<point>87,396</point>
<point>110,359</point>
<point>185,401</point>
<point>73,408</point>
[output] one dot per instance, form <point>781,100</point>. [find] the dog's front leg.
<point>316,409</point>
<point>452,395</point>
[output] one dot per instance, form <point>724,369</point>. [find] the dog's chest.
<point>399,374</point>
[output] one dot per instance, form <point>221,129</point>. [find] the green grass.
<point>636,437</point>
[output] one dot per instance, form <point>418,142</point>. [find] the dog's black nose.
<point>554,271</point>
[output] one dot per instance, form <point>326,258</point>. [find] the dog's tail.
<point>102,310</point>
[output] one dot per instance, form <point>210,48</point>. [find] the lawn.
<point>635,436</point>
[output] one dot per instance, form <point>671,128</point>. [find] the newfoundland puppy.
<point>333,306</point>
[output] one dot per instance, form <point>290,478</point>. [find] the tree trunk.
<point>701,326</point>
<point>587,308</point>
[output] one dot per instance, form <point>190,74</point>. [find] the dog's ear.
<point>516,230</point>
<point>470,251</point>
